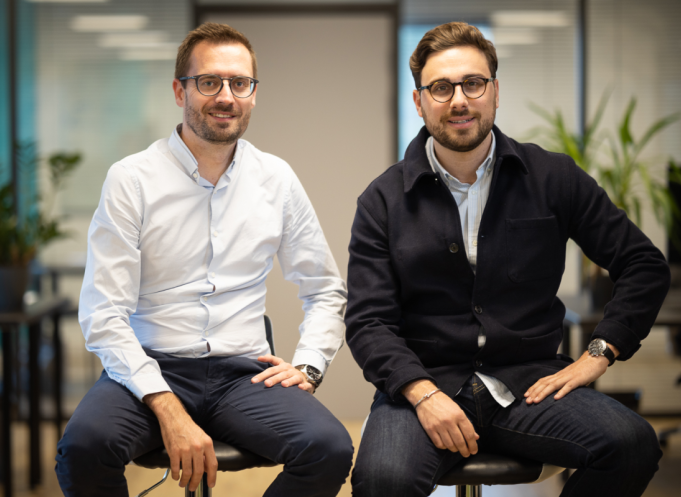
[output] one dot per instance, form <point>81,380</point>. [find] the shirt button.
<point>478,309</point>
<point>195,175</point>
<point>215,233</point>
<point>212,275</point>
<point>473,192</point>
<point>475,243</point>
<point>204,298</point>
<point>478,363</point>
<point>207,333</point>
<point>453,248</point>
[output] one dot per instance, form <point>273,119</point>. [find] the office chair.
<point>229,458</point>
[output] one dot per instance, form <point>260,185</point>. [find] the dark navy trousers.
<point>614,450</point>
<point>287,425</point>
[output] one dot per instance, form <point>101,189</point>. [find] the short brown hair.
<point>213,33</point>
<point>450,35</point>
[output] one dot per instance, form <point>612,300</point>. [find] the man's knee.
<point>632,446</point>
<point>86,446</point>
<point>328,448</point>
<point>382,475</point>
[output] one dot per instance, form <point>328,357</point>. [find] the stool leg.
<point>201,491</point>
<point>469,491</point>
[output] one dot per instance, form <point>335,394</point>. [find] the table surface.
<point>579,310</point>
<point>35,312</point>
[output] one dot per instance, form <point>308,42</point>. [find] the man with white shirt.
<point>456,256</point>
<point>174,297</point>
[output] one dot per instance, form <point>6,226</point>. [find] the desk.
<point>579,312</point>
<point>10,322</point>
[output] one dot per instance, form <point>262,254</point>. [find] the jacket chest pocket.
<point>533,248</point>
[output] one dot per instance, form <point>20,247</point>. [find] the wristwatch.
<point>598,347</point>
<point>312,374</point>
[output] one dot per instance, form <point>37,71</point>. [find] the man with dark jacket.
<point>456,256</point>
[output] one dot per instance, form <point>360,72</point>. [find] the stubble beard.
<point>215,134</point>
<point>460,140</point>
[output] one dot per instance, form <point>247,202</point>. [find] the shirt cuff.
<point>142,385</point>
<point>626,341</point>
<point>311,357</point>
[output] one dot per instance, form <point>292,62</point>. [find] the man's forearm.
<point>165,405</point>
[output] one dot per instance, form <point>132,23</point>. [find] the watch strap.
<point>609,355</point>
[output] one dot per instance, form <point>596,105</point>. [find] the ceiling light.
<point>109,23</point>
<point>149,54</point>
<point>131,39</point>
<point>67,1</point>
<point>531,18</point>
<point>515,36</point>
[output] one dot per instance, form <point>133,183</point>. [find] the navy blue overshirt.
<point>415,307</point>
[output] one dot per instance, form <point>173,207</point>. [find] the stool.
<point>492,469</point>
<point>229,459</point>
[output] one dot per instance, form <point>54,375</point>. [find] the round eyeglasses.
<point>443,91</point>
<point>211,84</point>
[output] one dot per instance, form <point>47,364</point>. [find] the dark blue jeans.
<point>288,425</point>
<point>614,450</point>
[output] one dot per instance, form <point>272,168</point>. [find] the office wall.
<point>335,130</point>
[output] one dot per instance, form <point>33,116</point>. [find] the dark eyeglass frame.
<point>254,83</point>
<point>454,85</point>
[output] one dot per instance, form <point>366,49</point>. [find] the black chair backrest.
<point>268,333</point>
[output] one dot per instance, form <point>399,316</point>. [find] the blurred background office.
<point>93,77</point>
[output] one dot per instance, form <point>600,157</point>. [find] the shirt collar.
<point>451,181</point>
<point>191,166</point>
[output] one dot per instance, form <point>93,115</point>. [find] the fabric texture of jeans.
<point>111,427</point>
<point>614,451</point>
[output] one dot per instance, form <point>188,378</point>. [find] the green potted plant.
<point>618,169</point>
<point>24,231</point>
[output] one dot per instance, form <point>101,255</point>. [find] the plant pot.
<point>13,284</point>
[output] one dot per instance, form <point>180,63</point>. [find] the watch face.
<point>597,347</point>
<point>313,373</point>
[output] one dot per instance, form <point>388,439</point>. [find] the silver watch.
<point>312,374</point>
<point>599,347</point>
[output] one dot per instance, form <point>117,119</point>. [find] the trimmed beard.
<point>221,136</point>
<point>459,140</point>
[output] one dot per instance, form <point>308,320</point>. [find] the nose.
<point>225,94</point>
<point>459,100</point>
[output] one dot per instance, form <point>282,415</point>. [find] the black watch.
<point>599,347</point>
<point>312,374</point>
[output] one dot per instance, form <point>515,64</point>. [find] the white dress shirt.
<point>471,200</point>
<point>178,265</point>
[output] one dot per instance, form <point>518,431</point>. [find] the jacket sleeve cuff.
<point>142,385</point>
<point>626,341</point>
<point>311,357</point>
<point>399,378</point>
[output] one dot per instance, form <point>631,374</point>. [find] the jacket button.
<point>453,248</point>
<point>478,363</point>
<point>478,309</point>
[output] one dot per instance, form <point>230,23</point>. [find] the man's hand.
<point>186,443</point>
<point>283,373</point>
<point>578,374</point>
<point>441,417</point>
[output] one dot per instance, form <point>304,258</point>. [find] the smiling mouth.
<point>461,121</point>
<point>221,115</point>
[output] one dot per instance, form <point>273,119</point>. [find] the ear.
<point>496,88</point>
<point>417,101</point>
<point>180,92</point>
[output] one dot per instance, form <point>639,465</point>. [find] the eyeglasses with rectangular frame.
<point>443,91</point>
<point>207,84</point>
